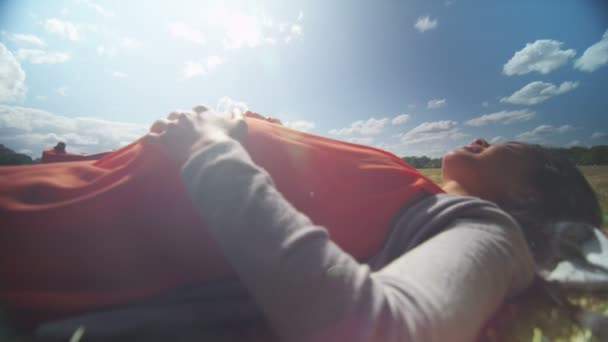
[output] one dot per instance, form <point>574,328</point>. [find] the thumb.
<point>239,130</point>
<point>150,138</point>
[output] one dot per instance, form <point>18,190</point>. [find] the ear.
<point>524,196</point>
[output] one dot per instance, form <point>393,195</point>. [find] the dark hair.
<point>564,195</point>
<point>60,147</point>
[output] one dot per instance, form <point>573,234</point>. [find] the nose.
<point>481,142</point>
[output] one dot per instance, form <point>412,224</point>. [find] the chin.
<point>457,165</point>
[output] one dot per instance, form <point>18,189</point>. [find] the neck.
<point>452,187</point>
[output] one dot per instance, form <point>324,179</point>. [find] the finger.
<point>159,126</point>
<point>237,115</point>
<point>199,109</point>
<point>182,118</point>
<point>173,115</point>
<point>151,138</point>
<point>239,130</point>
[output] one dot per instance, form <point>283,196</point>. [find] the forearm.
<point>305,284</point>
<point>280,256</point>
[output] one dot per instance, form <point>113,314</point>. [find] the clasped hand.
<point>185,132</point>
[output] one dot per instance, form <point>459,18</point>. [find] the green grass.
<point>433,174</point>
<point>533,317</point>
<point>598,178</point>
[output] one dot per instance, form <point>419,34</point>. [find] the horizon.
<point>416,78</point>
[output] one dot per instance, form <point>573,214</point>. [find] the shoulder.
<point>438,213</point>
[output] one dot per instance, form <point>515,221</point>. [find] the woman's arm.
<point>311,290</point>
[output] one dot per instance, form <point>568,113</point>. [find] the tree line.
<point>595,155</point>
<point>10,157</point>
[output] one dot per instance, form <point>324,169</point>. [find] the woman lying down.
<point>334,241</point>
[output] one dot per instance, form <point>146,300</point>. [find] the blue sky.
<point>412,77</point>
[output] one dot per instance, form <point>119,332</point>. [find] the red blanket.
<point>80,235</point>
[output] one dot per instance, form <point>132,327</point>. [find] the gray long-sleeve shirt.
<point>443,288</point>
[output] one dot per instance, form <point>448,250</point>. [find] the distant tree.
<point>596,155</point>
<point>10,157</point>
<point>423,162</point>
<point>599,155</point>
<point>434,163</point>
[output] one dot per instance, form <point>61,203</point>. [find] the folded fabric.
<point>582,262</point>
<point>81,235</point>
<point>580,254</point>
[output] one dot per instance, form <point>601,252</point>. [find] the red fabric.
<point>81,235</point>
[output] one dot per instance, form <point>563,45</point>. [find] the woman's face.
<point>493,172</point>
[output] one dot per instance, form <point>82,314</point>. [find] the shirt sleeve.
<point>311,290</point>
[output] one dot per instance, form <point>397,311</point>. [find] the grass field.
<point>596,175</point>
<point>533,318</point>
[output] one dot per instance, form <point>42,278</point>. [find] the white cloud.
<point>361,140</point>
<point>198,68</point>
<point>296,30</point>
<point>62,91</point>
<point>485,104</point>
<point>120,74</point>
<point>63,28</point>
<point>213,62</point>
<point>436,103</point>
<point>425,23</point>
<point>432,139</point>
<point>37,56</point>
<point>242,30</point>
<point>228,105</point>
<point>192,69</point>
<point>301,125</point>
<point>400,119</point>
<point>41,98</point>
<point>496,139</point>
<point>599,135</point>
<point>542,56</point>
<point>387,147</point>
<point>504,117</point>
<point>433,126</point>
<point>106,51</point>
<point>595,56</point>
<point>181,30</point>
<point>129,43</point>
<point>12,77</point>
<point>97,8</point>
<point>537,92</point>
<point>370,126</point>
<point>23,128</point>
<point>431,131</point>
<point>574,143</point>
<point>24,38</point>
<point>542,132</point>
